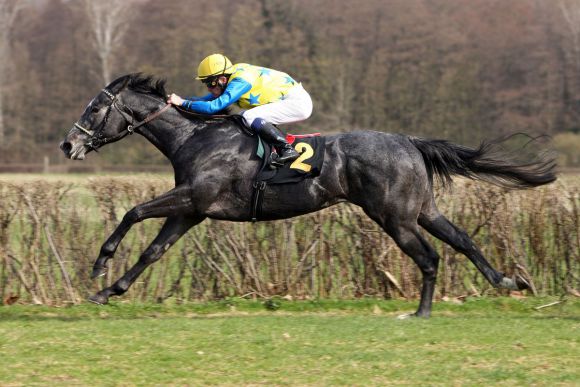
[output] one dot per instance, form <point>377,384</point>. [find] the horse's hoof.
<point>522,283</point>
<point>98,271</point>
<point>517,282</point>
<point>98,299</point>
<point>413,315</point>
<point>508,283</point>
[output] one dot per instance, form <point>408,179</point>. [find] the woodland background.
<point>463,70</point>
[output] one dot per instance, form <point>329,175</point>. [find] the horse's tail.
<point>445,159</point>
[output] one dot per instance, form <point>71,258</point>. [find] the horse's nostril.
<point>66,146</point>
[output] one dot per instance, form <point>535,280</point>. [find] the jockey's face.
<point>216,86</point>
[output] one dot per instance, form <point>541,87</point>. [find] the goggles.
<point>211,82</point>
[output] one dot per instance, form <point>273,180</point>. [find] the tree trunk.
<point>8,11</point>
<point>109,21</point>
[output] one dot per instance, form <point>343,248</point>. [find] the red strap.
<point>292,137</point>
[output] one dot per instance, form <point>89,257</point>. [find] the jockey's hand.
<point>174,99</point>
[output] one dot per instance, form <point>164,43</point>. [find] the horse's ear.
<point>119,84</point>
<point>125,83</point>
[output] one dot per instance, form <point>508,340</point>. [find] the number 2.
<point>306,152</point>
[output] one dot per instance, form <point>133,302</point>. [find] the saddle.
<point>307,165</point>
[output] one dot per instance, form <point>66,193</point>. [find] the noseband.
<point>97,137</point>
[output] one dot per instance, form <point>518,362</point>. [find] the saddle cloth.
<point>309,164</point>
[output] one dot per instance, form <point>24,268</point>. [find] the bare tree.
<point>8,11</point>
<point>109,21</point>
<point>571,12</point>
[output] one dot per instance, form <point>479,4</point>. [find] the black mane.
<point>147,84</point>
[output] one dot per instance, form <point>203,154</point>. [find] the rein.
<point>207,116</point>
<point>238,118</point>
<point>96,137</point>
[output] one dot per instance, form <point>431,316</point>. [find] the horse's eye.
<point>95,109</point>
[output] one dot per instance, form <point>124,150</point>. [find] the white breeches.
<point>294,106</point>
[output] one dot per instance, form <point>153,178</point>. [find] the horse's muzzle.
<point>66,147</point>
<point>74,151</point>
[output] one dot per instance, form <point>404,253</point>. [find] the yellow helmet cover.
<point>214,64</point>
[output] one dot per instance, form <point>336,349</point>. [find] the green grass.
<point>483,342</point>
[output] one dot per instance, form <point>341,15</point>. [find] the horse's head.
<point>105,120</point>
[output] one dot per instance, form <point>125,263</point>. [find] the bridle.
<point>97,137</point>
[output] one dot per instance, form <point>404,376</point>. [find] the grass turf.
<point>498,341</point>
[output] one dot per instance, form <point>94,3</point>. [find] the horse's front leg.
<point>172,230</point>
<point>175,202</point>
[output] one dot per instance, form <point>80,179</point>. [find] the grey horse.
<point>390,176</point>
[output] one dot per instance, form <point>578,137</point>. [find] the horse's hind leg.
<point>440,227</point>
<point>414,245</point>
<point>172,230</point>
<point>405,233</point>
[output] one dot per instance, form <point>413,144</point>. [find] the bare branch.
<point>109,21</point>
<point>9,9</point>
<point>571,13</point>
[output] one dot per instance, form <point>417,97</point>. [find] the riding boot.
<point>273,136</point>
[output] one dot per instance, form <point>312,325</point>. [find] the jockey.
<point>270,98</point>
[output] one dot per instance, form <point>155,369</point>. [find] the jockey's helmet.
<point>215,64</point>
